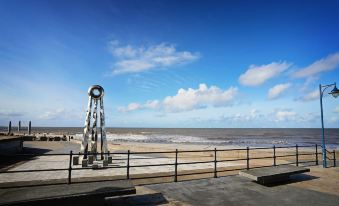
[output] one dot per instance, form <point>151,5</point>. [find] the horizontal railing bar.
<point>153,165</point>
<point>229,170</point>
<point>151,177</point>
<point>307,161</point>
<point>195,173</point>
<point>41,170</point>
<point>160,152</point>
<point>303,154</point>
<point>255,158</point>
<point>189,151</point>
<point>187,163</point>
<point>231,160</point>
<point>292,155</point>
<point>100,168</point>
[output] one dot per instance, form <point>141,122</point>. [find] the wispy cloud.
<point>151,104</point>
<point>325,64</point>
<point>285,115</point>
<point>189,99</point>
<point>276,91</point>
<point>132,59</point>
<point>313,95</point>
<point>257,75</point>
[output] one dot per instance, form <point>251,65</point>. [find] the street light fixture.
<point>335,94</point>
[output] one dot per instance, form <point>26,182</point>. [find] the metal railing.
<point>215,159</point>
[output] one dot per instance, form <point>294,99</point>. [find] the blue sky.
<point>169,63</point>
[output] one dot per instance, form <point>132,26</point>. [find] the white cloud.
<point>285,115</point>
<point>336,109</point>
<point>189,99</point>
<point>277,90</point>
<point>257,75</point>
<point>132,59</point>
<point>314,95</point>
<point>325,64</point>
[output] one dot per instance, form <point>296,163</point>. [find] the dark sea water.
<point>207,136</point>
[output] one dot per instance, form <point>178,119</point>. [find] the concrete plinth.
<point>75,160</point>
<point>90,159</point>
<point>109,160</point>
<point>84,163</point>
<point>105,163</point>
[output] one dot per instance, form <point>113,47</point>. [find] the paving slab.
<point>238,190</point>
<point>267,175</point>
<point>65,194</point>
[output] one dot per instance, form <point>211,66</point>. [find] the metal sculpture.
<point>96,94</point>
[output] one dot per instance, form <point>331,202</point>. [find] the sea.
<point>255,137</point>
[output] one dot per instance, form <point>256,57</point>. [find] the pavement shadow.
<point>293,179</point>
<point>9,161</point>
<point>144,199</point>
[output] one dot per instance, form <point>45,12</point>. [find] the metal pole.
<point>248,158</point>
<point>29,128</point>
<point>176,166</point>
<point>9,127</point>
<point>215,163</point>
<point>19,126</point>
<point>316,154</point>
<point>322,126</point>
<point>334,160</point>
<point>70,167</point>
<point>128,154</point>
<point>296,155</point>
<point>274,156</point>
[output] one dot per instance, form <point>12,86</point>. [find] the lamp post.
<point>335,94</point>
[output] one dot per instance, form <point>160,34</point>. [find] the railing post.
<point>296,155</point>
<point>316,155</point>
<point>248,158</point>
<point>334,160</point>
<point>176,166</point>
<point>215,163</point>
<point>70,167</point>
<point>274,157</point>
<point>128,154</point>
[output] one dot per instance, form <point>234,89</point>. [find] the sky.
<point>222,64</point>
